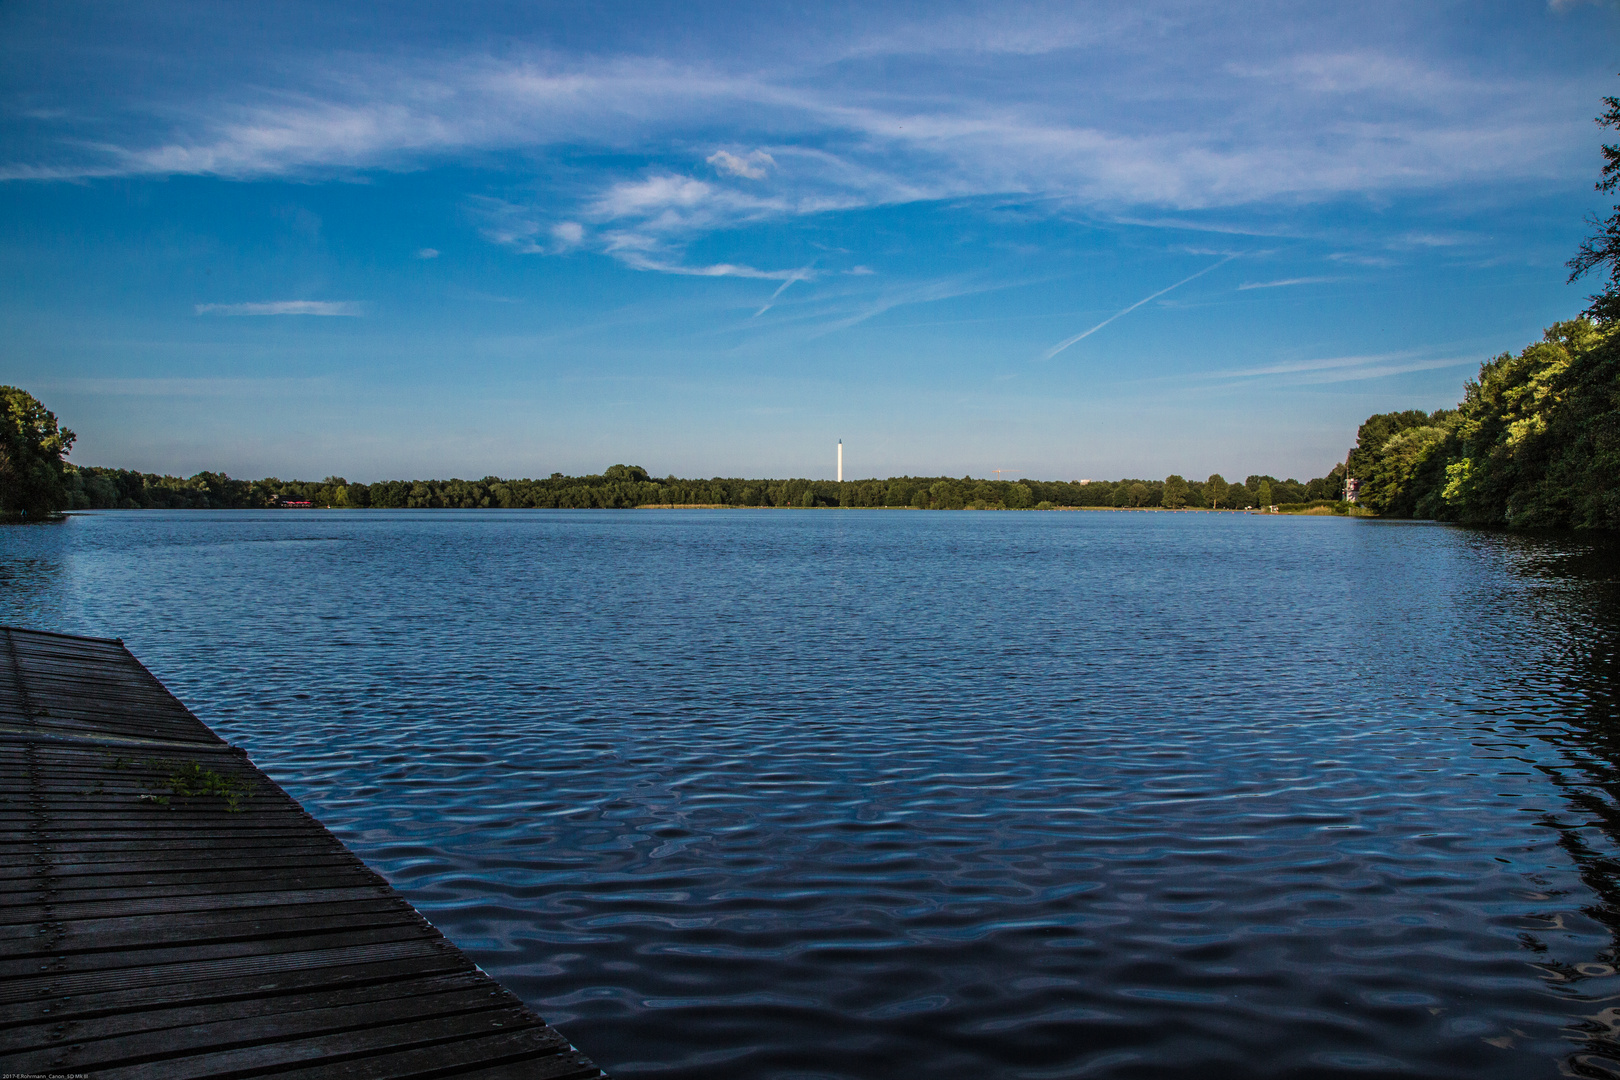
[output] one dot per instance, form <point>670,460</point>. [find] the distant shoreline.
<point>626,487</point>
<point>1312,512</point>
<point>1039,509</point>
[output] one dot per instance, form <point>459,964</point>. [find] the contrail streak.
<point>1066,342</point>
<point>800,275</point>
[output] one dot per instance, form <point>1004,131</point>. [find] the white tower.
<point>840,461</point>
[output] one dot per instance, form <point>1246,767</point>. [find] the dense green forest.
<point>626,486</point>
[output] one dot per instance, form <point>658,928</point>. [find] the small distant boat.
<point>297,504</point>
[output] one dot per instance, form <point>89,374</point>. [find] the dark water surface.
<point>886,794</point>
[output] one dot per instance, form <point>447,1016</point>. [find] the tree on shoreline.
<point>1603,246</point>
<point>1175,494</point>
<point>32,445</point>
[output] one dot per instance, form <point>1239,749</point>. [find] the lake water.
<point>881,794</point>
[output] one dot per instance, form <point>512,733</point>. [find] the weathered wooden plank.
<point>134,813</point>
<point>188,819</point>
<point>138,893</point>
<point>165,979</point>
<point>162,846</point>
<point>103,1016</point>
<point>200,928</point>
<point>179,726</point>
<point>139,706</point>
<point>53,780</point>
<point>168,822</point>
<point>173,856</point>
<point>128,868</point>
<point>66,963</point>
<point>25,893</point>
<point>568,1066</point>
<point>49,683</point>
<point>105,872</point>
<point>519,1055</point>
<point>328,973</point>
<point>168,903</point>
<point>223,1029</point>
<point>157,900</point>
<point>138,888</point>
<point>439,1032</point>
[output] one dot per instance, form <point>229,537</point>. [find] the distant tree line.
<point>36,481</point>
<point>629,486</point>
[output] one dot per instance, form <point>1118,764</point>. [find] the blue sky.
<point>1066,241</point>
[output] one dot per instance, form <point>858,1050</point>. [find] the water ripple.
<point>879,794</point>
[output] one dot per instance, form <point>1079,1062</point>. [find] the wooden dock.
<point>167,911</point>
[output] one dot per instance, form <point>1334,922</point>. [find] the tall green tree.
<point>1175,494</point>
<point>1602,247</point>
<point>33,480</point>
<point>1215,490</point>
<point>1375,432</point>
<point>1537,439</point>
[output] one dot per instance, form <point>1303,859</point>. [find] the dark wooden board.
<point>21,893</point>
<point>471,1010</point>
<point>147,933</point>
<point>143,1008</point>
<point>175,978</point>
<point>413,1050</point>
<point>95,1020</point>
<point>101,873</point>
<point>162,904</point>
<point>509,1057</point>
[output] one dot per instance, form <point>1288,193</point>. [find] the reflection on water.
<point>1575,700</point>
<point>876,794</point>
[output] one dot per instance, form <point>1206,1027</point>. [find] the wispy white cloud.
<point>1433,240</point>
<point>427,253</point>
<point>286,307</point>
<point>181,387</point>
<point>753,166</point>
<point>662,196</point>
<point>1348,368</point>
<point>1355,258</point>
<point>643,223</point>
<point>639,261</point>
<point>875,117</point>
<point>1286,282</point>
<point>843,311</point>
<point>1380,371</point>
<point>1359,71</point>
<point>525,229</point>
<point>1295,124</point>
